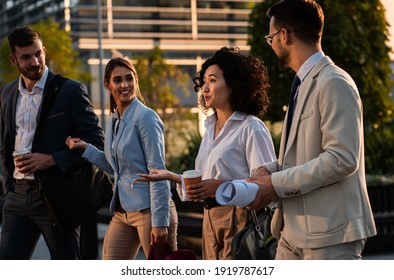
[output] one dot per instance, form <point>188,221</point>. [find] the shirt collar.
<point>236,116</point>
<point>128,110</point>
<point>307,66</point>
<point>40,83</point>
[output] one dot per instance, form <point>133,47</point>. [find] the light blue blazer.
<point>137,147</point>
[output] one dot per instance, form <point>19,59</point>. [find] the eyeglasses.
<point>270,37</point>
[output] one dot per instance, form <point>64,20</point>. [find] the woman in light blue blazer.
<point>134,143</point>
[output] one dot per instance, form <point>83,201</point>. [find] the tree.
<point>355,37</point>
<point>159,81</point>
<point>60,56</point>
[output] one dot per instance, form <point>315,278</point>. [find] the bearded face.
<point>30,60</point>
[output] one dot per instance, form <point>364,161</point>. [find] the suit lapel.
<point>128,119</point>
<point>12,113</point>
<point>307,87</point>
<point>39,118</point>
<point>110,138</point>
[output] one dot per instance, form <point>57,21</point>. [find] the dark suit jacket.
<point>71,114</point>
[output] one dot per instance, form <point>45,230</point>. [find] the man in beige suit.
<point>319,178</point>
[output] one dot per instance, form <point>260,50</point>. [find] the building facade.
<point>188,31</point>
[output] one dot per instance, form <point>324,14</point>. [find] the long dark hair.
<point>111,65</point>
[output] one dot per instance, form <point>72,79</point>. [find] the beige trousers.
<point>344,251</point>
<point>128,231</point>
<point>220,224</point>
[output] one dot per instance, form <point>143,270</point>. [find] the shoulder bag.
<point>255,241</point>
<point>72,198</point>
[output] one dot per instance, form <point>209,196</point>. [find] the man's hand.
<point>261,171</point>
<point>266,193</point>
<point>30,163</point>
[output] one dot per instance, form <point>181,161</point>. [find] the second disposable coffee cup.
<point>191,177</point>
<point>16,154</point>
<point>21,152</point>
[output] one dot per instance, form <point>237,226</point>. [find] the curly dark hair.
<point>245,75</point>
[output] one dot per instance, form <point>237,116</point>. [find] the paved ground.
<point>41,252</point>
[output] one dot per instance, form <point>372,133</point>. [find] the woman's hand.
<point>158,175</point>
<point>159,235</point>
<point>204,189</point>
<point>75,143</point>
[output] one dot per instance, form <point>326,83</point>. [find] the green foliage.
<point>355,37</point>
<point>158,80</point>
<point>276,141</point>
<point>186,159</point>
<point>8,71</point>
<point>280,80</point>
<point>379,150</point>
<point>60,56</point>
<point>357,40</point>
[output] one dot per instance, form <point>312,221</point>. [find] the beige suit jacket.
<point>320,177</point>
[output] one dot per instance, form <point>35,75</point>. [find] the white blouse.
<point>243,144</point>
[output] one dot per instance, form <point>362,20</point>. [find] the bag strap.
<point>267,238</point>
<point>51,94</point>
<point>49,98</point>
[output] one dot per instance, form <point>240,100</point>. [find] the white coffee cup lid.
<point>21,152</point>
<point>192,173</point>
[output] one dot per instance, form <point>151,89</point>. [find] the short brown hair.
<point>305,18</point>
<point>23,37</point>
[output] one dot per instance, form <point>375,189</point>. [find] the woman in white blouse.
<point>235,87</point>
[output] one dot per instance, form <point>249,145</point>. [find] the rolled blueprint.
<point>236,193</point>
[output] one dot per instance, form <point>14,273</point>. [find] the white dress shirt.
<point>242,145</point>
<point>27,106</point>
<point>307,66</point>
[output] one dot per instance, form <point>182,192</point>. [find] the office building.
<point>187,31</point>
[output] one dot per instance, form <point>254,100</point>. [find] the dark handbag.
<point>255,241</point>
<point>166,253</point>
<point>72,198</point>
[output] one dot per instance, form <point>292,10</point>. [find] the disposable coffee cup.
<point>16,154</point>
<point>191,177</point>
<point>21,152</point>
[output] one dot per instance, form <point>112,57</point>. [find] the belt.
<point>26,182</point>
<point>211,203</point>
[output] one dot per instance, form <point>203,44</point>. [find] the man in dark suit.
<point>25,129</point>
